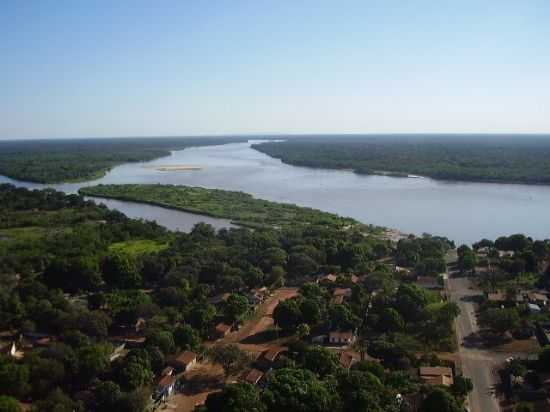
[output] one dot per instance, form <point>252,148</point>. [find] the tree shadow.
<point>201,383</point>
<point>472,298</point>
<point>261,337</point>
<point>474,341</point>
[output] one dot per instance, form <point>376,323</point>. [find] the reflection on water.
<point>465,212</point>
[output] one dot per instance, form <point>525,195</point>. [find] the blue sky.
<point>145,68</point>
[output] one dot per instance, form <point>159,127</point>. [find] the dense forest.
<point>77,278</point>
<point>55,161</point>
<point>241,208</point>
<point>481,158</point>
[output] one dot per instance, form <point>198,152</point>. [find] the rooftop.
<point>186,357</point>
<point>253,376</point>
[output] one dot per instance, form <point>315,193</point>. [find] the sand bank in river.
<point>173,168</point>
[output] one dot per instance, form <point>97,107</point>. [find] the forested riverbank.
<point>76,160</point>
<point>476,158</point>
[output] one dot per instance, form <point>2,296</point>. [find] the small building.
<point>117,352</point>
<point>338,300</point>
<point>185,361</point>
<point>497,297</point>
<point>253,376</point>
<point>436,375</point>
<point>344,292</point>
<point>258,296</point>
<point>215,300</point>
<point>139,326</point>
<point>483,251</point>
<point>348,359</point>
<point>537,298</point>
<point>134,342</point>
<point>165,388</point>
<point>221,330</point>
<point>402,270</point>
<point>167,371</point>
<point>341,337</point>
<point>270,356</point>
<point>12,351</point>
<point>330,278</point>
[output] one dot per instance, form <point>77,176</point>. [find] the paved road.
<point>477,364</point>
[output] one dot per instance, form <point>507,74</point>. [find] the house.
<point>330,278</point>
<point>537,298</point>
<point>168,371</point>
<point>270,356</point>
<point>221,330</point>
<point>165,388</point>
<point>117,352</point>
<point>257,296</point>
<point>139,326</point>
<point>344,292</point>
<point>348,359</point>
<point>131,342</point>
<point>12,351</point>
<point>319,339</point>
<point>497,297</point>
<point>341,337</point>
<point>338,300</point>
<point>185,361</point>
<point>436,375</point>
<point>215,300</point>
<point>44,342</point>
<point>483,251</point>
<point>253,376</point>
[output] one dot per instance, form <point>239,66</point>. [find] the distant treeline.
<point>481,158</point>
<point>55,161</point>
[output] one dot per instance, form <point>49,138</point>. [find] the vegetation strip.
<point>240,207</point>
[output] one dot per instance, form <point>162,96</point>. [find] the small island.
<point>241,208</point>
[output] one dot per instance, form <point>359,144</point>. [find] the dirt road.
<point>250,336</point>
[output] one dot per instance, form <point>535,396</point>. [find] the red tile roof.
<point>167,380</point>
<point>272,354</point>
<point>253,376</point>
<point>186,357</point>
<point>223,328</point>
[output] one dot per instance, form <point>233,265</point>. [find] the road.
<point>477,364</point>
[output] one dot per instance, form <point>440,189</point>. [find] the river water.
<point>464,212</point>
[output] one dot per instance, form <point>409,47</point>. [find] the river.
<point>464,212</point>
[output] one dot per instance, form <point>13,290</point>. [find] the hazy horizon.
<point>134,69</point>
<point>287,135</point>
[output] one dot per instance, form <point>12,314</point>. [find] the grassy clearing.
<point>137,247</point>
